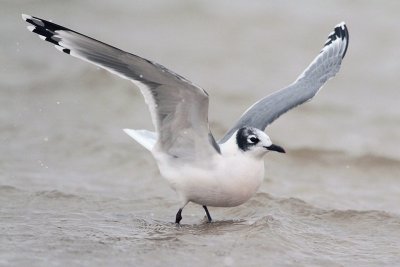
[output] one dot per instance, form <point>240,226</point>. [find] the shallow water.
<point>74,189</point>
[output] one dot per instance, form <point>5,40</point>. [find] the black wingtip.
<point>38,22</point>
<point>46,31</point>
<point>346,35</point>
<point>340,31</point>
<point>343,33</point>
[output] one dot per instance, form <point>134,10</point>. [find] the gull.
<point>224,173</point>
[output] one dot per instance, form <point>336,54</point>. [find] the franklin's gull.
<point>201,170</point>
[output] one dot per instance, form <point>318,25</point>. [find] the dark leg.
<point>207,213</point>
<point>178,216</point>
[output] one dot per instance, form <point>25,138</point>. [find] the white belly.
<point>224,182</point>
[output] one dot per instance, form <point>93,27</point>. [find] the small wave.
<point>329,156</point>
<point>55,194</point>
<point>280,207</point>
<point>262,198</point>
<point>372,160</point>
<point>8,189</point>
<point>154,230</point>
<point>357,215</point>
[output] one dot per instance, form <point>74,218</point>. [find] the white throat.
<point>230,147</point>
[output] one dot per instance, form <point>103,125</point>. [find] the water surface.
<point>75,190</point>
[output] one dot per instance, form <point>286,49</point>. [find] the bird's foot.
<point>208,214</point>
<point>178,217</point>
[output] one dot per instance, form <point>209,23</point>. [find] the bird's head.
<point>255,141</point>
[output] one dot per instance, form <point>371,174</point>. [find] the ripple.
<point>328,156</point>
<point>55,194</point>
<point>8,189</point>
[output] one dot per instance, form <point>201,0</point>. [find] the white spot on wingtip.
<point>42,37</point>
<point>31,28</point>
<point>341,24</point>
<point>25,16</point>
<point>60,48</point>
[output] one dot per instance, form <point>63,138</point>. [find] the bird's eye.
<point>252,139</point>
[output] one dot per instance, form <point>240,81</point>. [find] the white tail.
<point>143,137</point>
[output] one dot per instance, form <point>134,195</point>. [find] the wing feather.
<point>306,86</point>
<point>179,109</point>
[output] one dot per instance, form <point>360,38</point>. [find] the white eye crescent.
<point>252,139</point>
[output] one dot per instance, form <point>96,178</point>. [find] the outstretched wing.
<point>307,85</point>
<point>179,109</point>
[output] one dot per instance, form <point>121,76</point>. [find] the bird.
<point>210,173</point>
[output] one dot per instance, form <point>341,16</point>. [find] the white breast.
<point>226,180</point>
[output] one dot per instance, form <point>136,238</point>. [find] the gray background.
<point>74,189</point>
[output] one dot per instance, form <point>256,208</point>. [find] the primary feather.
<point>306,86</point>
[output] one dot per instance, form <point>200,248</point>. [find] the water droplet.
<point>42,164</point>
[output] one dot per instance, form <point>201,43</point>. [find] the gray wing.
<point>179,109</point>
<point>307,85</point>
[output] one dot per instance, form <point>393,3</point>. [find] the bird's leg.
<point>178,216</point>
<point>207,213</point>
